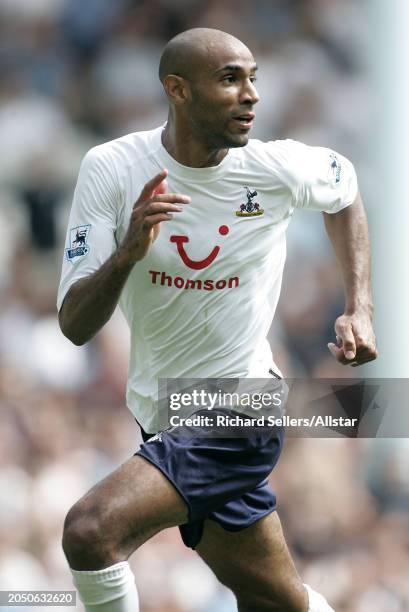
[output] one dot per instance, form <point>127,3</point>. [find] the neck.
<point>183,146</point>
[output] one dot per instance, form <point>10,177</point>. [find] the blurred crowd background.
<point>74,74</point>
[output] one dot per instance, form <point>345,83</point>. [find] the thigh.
<point>123,511</point>
<point>255,564</point>
<point>211,469</point>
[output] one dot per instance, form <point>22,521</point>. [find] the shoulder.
<point>279,153</point>
<point>281,159</point>
<point>105,167</point>
<point>297,162</point>
<point>118,155</point>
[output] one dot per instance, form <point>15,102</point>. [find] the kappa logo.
<point>250,208</point>
<point>78,242</point>
<point>157,437</point>
<point>200,264</point>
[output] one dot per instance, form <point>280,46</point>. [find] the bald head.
<point>208,76</point>
<point>188,53</point>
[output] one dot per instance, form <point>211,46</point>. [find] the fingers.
<point>152,220</point>
<point>364,353</point>
<point>162,188</point>
<point>359,362</point>
<point>170,198</point>
<point>159,208</point>
<point>337,352</point>
<point>159,205</point>
<point>346,339</point>
<point>155,191</point>
<point>152,185</point>
<point>153,207</point>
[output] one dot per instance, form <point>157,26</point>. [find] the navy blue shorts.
<point>220,478</point>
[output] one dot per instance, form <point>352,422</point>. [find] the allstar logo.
<point>250,208</point>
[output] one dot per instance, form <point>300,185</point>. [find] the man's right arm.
<point>90,301</point>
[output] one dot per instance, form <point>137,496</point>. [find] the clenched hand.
<point>356,342</point>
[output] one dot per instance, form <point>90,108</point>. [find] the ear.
<point>177,89</point>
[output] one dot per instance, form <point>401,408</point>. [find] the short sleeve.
<point>90,238</point>
<point>320,179</point>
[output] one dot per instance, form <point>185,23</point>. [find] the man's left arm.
<point>348,232</point>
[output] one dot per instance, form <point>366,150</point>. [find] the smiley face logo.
<point>202,263</point>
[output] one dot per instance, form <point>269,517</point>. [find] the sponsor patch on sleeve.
<point>79,246</point>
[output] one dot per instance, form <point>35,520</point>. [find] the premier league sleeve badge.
<point>78,242</point>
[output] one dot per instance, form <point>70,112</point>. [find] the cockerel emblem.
<point>250,208</point>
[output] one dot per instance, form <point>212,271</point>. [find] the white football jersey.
<point>200,304</point>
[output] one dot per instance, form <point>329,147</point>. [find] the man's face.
<point>223,95</point>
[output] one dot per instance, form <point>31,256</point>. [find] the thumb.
<point>334,350</point>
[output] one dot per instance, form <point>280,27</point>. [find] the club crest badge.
<point>335,169</point>
<point>250,208</point>
<point>78,242</point>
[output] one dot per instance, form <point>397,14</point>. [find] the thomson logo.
<point>200,264</point>
<point>166,280</point>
